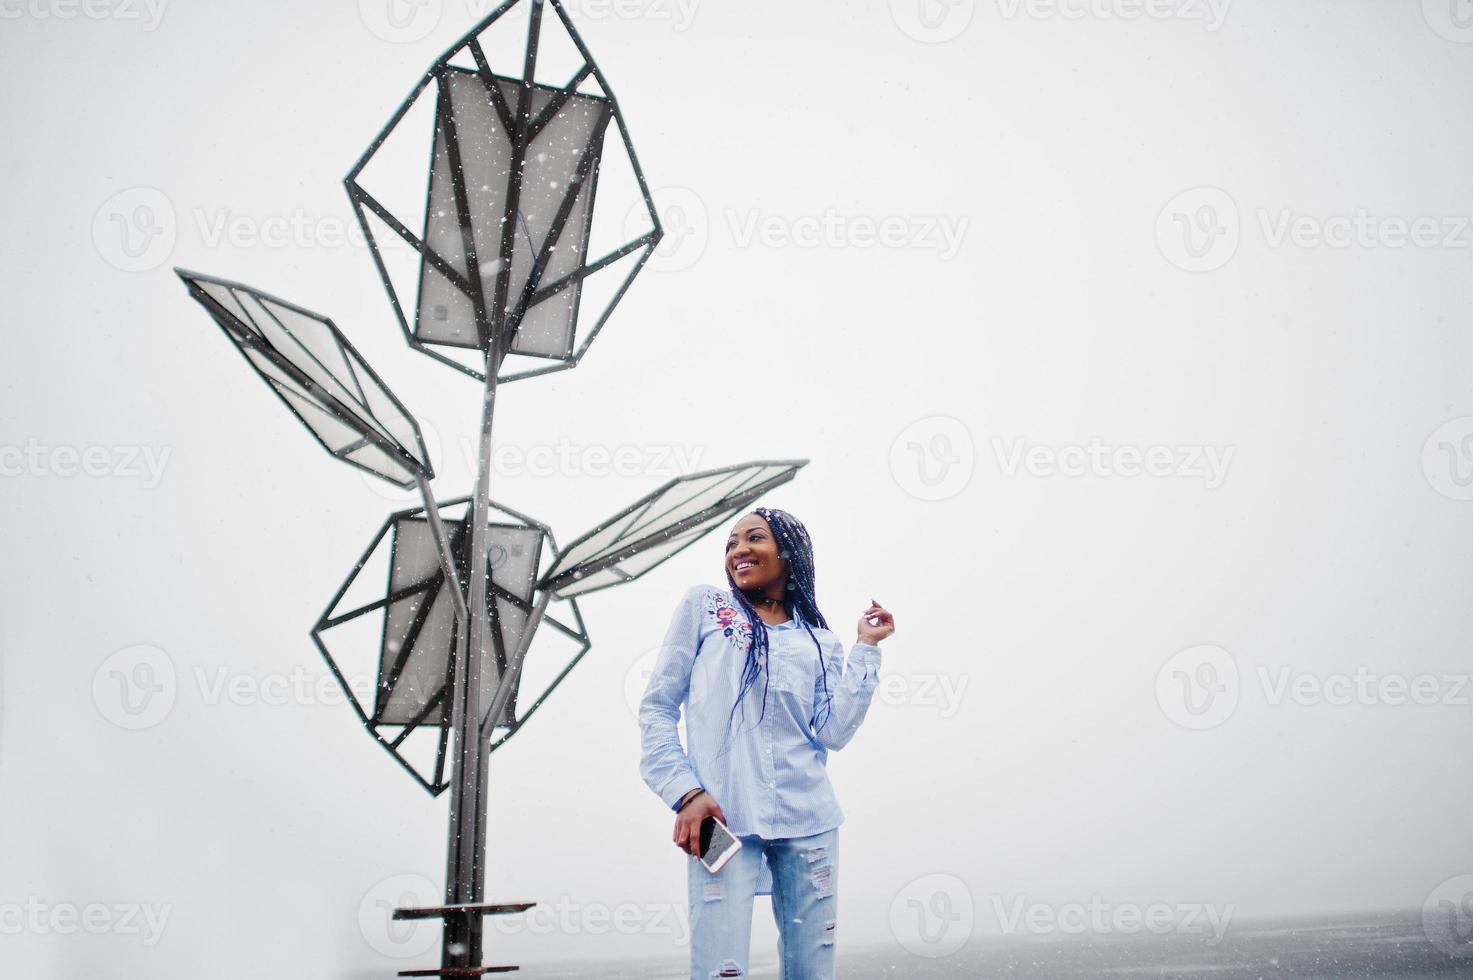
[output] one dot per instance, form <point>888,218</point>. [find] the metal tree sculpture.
<point>498,283</point>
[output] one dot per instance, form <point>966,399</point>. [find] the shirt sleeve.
<point>849,692</point>
<point>663,763</point>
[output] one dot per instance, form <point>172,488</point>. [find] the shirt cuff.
<point>677,788</point>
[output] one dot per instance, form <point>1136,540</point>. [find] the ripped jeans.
<point>804,901</point>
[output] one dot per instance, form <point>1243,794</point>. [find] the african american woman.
<point>758,764</point>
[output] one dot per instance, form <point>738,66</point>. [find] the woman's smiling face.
<point>751,555</point>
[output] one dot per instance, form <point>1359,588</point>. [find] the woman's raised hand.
<point>875,624</point>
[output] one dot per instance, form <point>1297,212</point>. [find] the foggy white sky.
<point>941,251</point>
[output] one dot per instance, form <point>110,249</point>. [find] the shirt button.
<point>772,785</point>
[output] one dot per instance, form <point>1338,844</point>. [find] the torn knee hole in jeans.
<point>828,933</point>
<point>822,876</point>
<point>729,968</point>
<point>713,891</point>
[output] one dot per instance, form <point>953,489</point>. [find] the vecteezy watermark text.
<point>938,21</point>
<point>940,691</point>
<point>1207,463</point>
<point>939,233</point>
<point>570,459</point>
<point>146,13</point>
<point>1199,230</point>
<point>1200,687</point>
<point>41,918</point>
<point>138,687</point>
<point>1211,13</point>
<point>564,916</point>
<point>1365,687</point>
<point>689,227</point>
<point>933,458</point>
<point>1100,917</point>
<point>124,461</point>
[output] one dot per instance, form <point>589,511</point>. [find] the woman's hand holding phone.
<point>688,822</point>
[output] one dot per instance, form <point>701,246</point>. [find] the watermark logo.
<point>679,14</point>
<point>136,687</point>
<point>1198,688</point>
<point>40,918</point>
<point>637,678</point>
<point>1451,19</point>
<point>400,21</point>
<point>1447,916</point>
<point>124,461</point>
<point>942,692</point>
<point>637,683</point>
<point>932,21</point>
<point>1101,918</point>
<point>933,457</point>
<point>297,686</point>
<point>933,915</point>
<point>1362,229</point>
<point>135,229</point>
<point>1363,686</point>
<point>571,460</point>
<point>1447,458</point>
<point>148,14</point>
<point>399,938</point>
<point>942,234</point>
<point>1199,229</point>
<point>1210,13</point>
<point>564,459</point>
<point>139,686</point>
<point>687,228</point>
<point>1191,461</point>
<point>567,916</point>
<point>295,229</point>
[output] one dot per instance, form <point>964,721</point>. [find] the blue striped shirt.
<point>771,778</point>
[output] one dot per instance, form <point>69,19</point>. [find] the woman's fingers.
<point>877,618</point>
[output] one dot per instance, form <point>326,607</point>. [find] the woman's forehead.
<point>749,521</point>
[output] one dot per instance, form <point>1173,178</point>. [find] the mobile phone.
<point>717,844</point>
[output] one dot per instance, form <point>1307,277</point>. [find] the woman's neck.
<point>769,609</point>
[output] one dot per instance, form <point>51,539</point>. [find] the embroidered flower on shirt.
<point>734,625</point>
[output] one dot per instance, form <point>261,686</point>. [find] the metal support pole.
<point>464,875</point>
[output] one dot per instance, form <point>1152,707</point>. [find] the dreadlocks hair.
<point>796,548</point>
